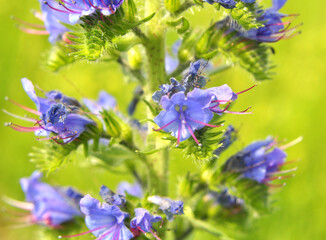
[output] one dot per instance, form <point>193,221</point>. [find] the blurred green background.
<point>289,106</point>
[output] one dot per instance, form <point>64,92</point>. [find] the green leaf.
<point>181,24</point>
<point>51,156</point>
<point>99,34</point>
<point>58,57</point>
<point>246,14</point>
<point>115,155</point>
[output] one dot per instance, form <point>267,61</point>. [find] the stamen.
<point>247,89</point>
<point>206,124</point>
<point>221,101</point>
<point>83,233</point>
<point>278,178</point>
<point>55,9</point>
<point>22,205</point>
<point>23,107</point>
<point>19,117</point>
<point>72,11</point>
<point>285,171</point>
<point>179,132</point>
<point>27,23</point>
<point>192,134</point>
<point>165,125</point>
<point>242,112</point>
<point>292,143</point>
<point>154,234</point>
<point>288,162</point>
<point>33,31</point>
<point>21,128</point>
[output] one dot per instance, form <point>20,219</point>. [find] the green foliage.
<point>251,55</point>
<point>246,14</point>
<point>99,34</point>
<point>58,57</point>
<point>181,24</point>
<point>51,156</point>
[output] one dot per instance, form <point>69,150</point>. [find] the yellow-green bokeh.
<point>289,106</point>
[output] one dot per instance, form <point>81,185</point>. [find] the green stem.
<point>166,158</point>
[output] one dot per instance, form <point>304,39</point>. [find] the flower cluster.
<point>59,115</point>
<point>186,112</point>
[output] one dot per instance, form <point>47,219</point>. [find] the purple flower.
<point>58,113</point>
<point>105,221</point>
<point>260,161</point>
<point>183,115</point>
<point>48,205</point>
<point>105,102</point>
<point>172,61</point>
<point>135,189</point>
<point>168,206</point>
<point>143,221</point>
<point>110,197</point>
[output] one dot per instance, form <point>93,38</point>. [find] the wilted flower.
<point>110,197</point>
<point>143,221</point>
<point>168,206</point>
<point>48,205</point>
<point>224,199</point>
<point>58,113</point>
<point>135,189</point>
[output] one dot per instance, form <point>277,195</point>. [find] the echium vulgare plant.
<point>185,112</point>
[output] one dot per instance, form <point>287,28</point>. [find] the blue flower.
<point>53,18</point>
<point>58,113</point>
<point>110,197</point>
<point>143,221</point>
<point>48,205</point>
<point>135,189</point>
<point>228,4</point>
<point>183,115</point>
<point>105,102</point>
<point>168,206</point>
<point>105,221</point>
<point>259,161</point>
<point>229,137</point>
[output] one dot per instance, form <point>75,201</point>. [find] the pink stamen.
<point>34,31</point>
<point>221,101</point>
<point>179,132</point>
<point>288,162</point>
<point>247,89</point>
<point>83,233</point>
<point>23,107</point>
<point>242,112</point>
<point>206,124</point>
<point>28,24</point>
<point>23,129</point>
<point>104,3</point>
<point>285,171</point>
<point>55,9</point>
<point>192,134</point>
<point>72,11</point>
<point>278,178</point>
<point>154,234</point>
<point>220,111</point>
<point>165,125</point>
